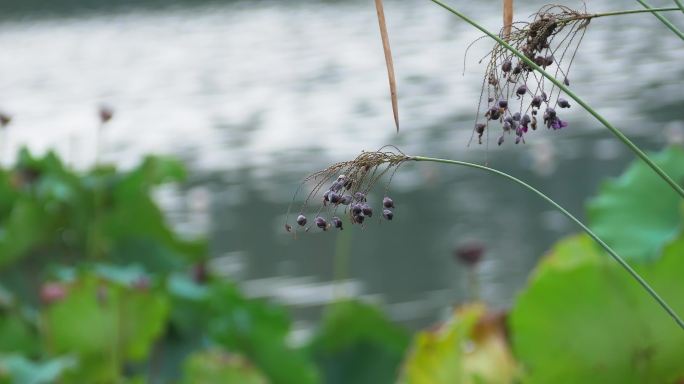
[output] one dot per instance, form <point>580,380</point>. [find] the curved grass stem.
<point>665,21</point>
<point>572,95</point>
<point>586,229</point>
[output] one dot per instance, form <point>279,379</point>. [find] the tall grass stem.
<point>586,229</point>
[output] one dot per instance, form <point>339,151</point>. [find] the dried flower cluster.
<point>515,93</point>
<point>343,190</point>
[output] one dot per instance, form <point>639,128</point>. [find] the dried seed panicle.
<point>344,187</point>
<point>512,86</point>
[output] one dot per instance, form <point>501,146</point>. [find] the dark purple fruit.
<point>525,119</point>
<point>359,218</point>
<point>469,254</point>
<point>479,128</point>
<point>360,196</point>
<point>301,220</point>
<point>563,103</point>
<point>503,103</point>
<point>536,101</point>
<point>387,214</point>
<point>522,90</point>
<point>321,223</point>
<point>506,66</point>
<point>356,209</point>
<point>387,202</point>
<point>335,198</point>
<point>326,198</point>
<point>516,116</point>
<point>367,210</point>
<point>336,222</point>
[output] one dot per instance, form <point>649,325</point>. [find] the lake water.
<point>256,95</point>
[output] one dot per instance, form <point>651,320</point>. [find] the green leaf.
<point>105,324</point>
<point>470,348</point>
<point>637,214</point>
<point>16,335</point>
<point>358,344</point>
<point>219,367</point>
<point>582,319</point>
<point>18,369</point>
<point>258,330</point>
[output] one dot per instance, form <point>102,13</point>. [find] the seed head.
<point>367,210</point>
<point>387,202</point>
<point>301,220</point>
<point>503,103</point>
<point>522,90</point>
<point>563,103</point>
<point>346,200</point>
<point>387,214</point>
<point>321,223</point>
<point>336,222</point>
<point>506,66</point>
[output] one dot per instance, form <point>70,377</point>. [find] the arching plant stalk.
<point>665,21</point>
<point>570,94</point>
<point>354,179</point>
<point>586,229</point>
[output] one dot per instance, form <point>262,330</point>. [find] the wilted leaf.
<point>388,60</point>
<point>471,348</point>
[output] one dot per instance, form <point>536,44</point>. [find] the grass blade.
<point>507,18</point>
<point>388,60</point>
<point>664,20</point>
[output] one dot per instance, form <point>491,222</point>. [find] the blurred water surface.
<point>255,95</point>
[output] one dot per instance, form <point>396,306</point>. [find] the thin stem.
<point>679,4</point>
<point>633,11</point>
<point>586,229</point>
<point>572,95</point>
<point>664,20</point>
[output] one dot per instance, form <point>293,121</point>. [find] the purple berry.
<point>356,209</point>
<point>387,214</point>
<point>522,90</point>
<point>506,66</point>
<point>367,210</point>
<point>359,219</point>
<point>516,116</point>
<point>479,128</point>
<point>335,198</point>
<point>321,223</point>
<point>536,101</point>
<point>336,186</point>
<point>548,60</point>
<point>525,119</point>
<point>563,103</point>
<point>506,127</point>
<point>326,198</point>
<point>301,220</point>
<point>517,69</point>
<point>336,222</point>
<point>346,200</point>
<point>387,202</point>
<point>360,196</point>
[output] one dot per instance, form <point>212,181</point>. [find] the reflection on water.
<point>254,95</point>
